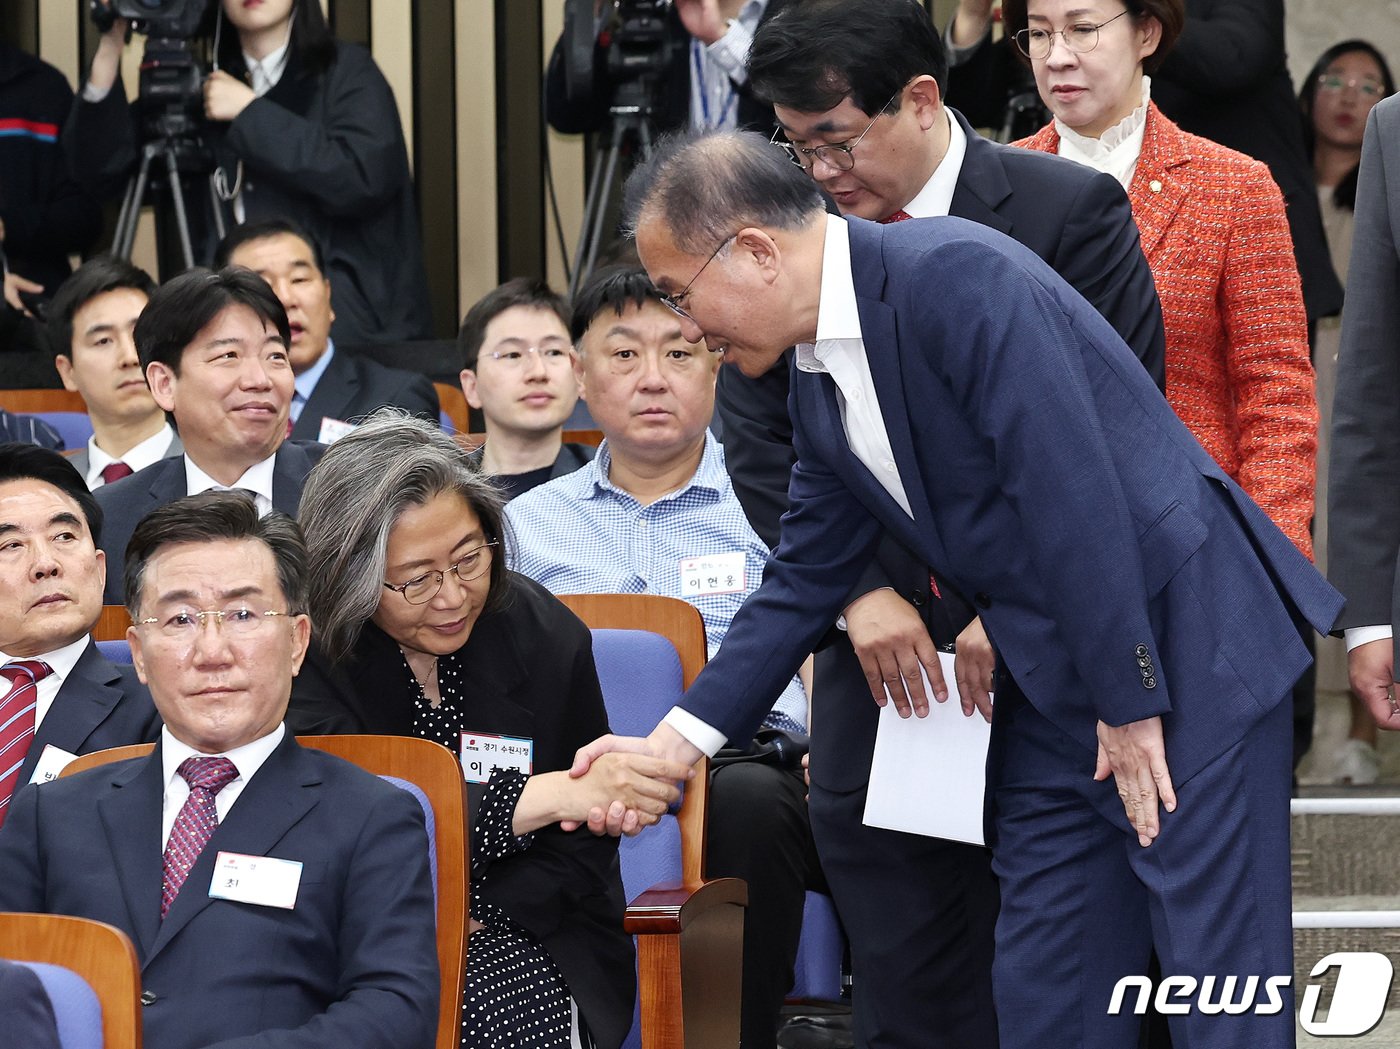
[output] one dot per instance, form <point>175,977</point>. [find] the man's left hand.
<point>224,96</point>
<point>1137,757</point>
<point>702,19</point>
<point>14,284</point>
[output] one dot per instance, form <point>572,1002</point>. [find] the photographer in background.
<point>300,126</point>
<point>706,82</point>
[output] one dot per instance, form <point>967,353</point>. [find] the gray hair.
<point>355,495</point>
<point>706,187</point>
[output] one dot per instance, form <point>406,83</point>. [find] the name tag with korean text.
<point>483,753</point>
<point>713,574</point>
<point>51,762</point>
<point>333,430</point>
<point>263,880</point>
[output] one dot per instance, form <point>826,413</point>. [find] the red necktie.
<point>17,722</point>
<point>115,471</point>
<point>898,216</point>
<point>195,824</point>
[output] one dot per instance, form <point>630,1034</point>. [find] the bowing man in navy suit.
<point>59,697</point>
<point>215,348</point>
<point>277,896</point>
<point>951,388</point>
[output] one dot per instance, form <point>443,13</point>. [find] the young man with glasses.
<point>518,371</point>
<point>857,89</point>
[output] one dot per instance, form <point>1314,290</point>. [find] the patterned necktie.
<point>17,722</point>
<point>195,824</point>
<point>897,216</point>
<point>115,471</point>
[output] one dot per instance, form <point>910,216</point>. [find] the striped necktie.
<point>17,722</point>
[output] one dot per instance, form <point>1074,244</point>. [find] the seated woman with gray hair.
<point>421,630</point>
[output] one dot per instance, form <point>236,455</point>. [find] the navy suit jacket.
<point>1119,572</point>
<point>352,387</point>
<point>101,704</point>
<point>132,498</point>
<point>353,963</point>
<point>28,1013</point>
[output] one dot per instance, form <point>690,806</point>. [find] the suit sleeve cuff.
<point>695,731</point>
<point>1360,635</point>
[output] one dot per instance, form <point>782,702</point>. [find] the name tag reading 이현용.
<point>713,574</point>
<point>264,880</point>
<point>51,762</point>
<point>484,753</point>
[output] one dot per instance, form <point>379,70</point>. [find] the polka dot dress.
<point>515,998</point>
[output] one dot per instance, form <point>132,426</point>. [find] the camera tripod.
<point>630,122</point>
<point>168,148</point>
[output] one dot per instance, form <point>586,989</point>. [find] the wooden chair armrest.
<point>669,907</point>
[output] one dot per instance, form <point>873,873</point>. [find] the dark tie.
<point>897,216</point>
<point>17,722</point>
<point>195,824</point>
<point>115,471</point>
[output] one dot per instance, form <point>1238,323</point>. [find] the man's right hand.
<point>664,742</point>
<point>1372,670</point>
<point>971,22</point>
<point>891,643</point>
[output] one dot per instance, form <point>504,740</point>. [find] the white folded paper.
<point>928,775</point>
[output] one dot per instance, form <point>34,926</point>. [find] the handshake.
<point>622,784</point>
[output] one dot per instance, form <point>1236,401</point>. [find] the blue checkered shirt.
<point>581,534</point>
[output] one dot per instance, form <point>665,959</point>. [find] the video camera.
<point>638,47</point>
<point>177,19</point>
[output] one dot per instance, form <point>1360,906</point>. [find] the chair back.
<point>455,414</point>
<point>74,427</point>
<point>115,651</point>
<point>112,624</point>
<point>589,437</point>
<point>90,972</point>
<point>31,402</point>
<point>430,772</point>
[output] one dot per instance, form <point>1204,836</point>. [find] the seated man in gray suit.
<point>214,347</point>
<point>277,896</point>
<point>58,696</point>
<point>90,321</point>
<point>333,389</point>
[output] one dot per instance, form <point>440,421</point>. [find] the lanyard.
<point>726,109</point>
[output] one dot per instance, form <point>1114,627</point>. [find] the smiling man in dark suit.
<point>58,696</point>
<point>950,388</point>
<point>214,346</point>
<point>332,388</point>
<point>276,896</point>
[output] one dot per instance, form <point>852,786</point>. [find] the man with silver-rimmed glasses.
<point>857,89</point>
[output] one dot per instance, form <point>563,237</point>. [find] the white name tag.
<point>51,762</point>
<point>713,574</point>
<point>264,880</point>
<point>484,753</point>
<point>332,430</point>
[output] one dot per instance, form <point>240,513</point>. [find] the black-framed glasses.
<point>835,154</point>
<point>423,588</point>
<point>1336,82</point>
<point>1079,38</point>
<point>674,301</point>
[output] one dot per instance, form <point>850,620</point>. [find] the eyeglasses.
<point>835,154</point>
<point>674,301</point>
<point>1079,38</point>
<point>186,624</point>
<point>515,359</point>
<point>1335,82</point>
<point>421,589</point>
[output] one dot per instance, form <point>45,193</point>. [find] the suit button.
<point>1149,682</point>
<point>1147,670</point>
<point>1140,651</point>
<point>917,598</point>
<point>982,600</point>
<point>148,997</point>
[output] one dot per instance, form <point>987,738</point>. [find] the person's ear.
<point>1149,36</point>
<point>926,100</point>
<point>757,247</point>
<point>65,372</point>
<point>468,380</point>
<point>162,380</point>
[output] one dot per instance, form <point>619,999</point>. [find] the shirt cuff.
<point>94,94</point>
<point>731,52</point>
<point>958,55</point>
<point>1360,635</point>
<point>695,731</point>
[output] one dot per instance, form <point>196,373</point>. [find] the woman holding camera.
<point>300,126</point>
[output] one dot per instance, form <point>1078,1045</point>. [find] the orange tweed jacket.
<point>1213,229</point>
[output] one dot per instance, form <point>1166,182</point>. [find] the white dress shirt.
<point>936,198</point>
<point>152,450</point>
<point>257,479</point>
<point>247,759</point>
<point>61,661</point>
<point>717,70</point>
